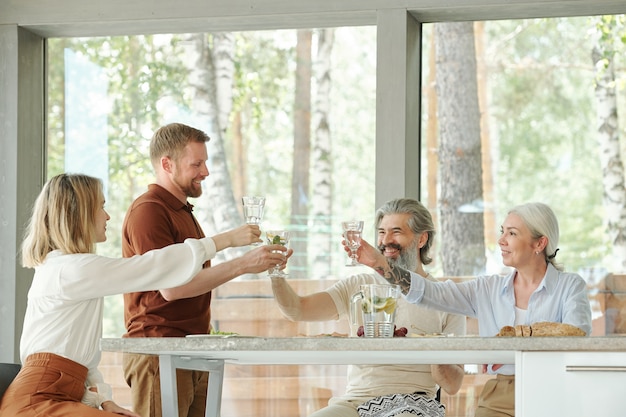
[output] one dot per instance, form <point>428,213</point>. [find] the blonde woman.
<point>59,348</point>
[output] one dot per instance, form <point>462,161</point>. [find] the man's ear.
<point>423,239</point>
<point>166,164</point>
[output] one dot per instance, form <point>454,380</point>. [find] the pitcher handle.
<point>353,308</point>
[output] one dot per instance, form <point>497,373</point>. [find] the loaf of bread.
<point>522,330</point>
<point>507,331</point>
<point>547,328</point>
<point>541,329</point>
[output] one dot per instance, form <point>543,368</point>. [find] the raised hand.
<point>245,235</point>
<point>366,254</point>
<point>370,256</point>
<point>265,257</point>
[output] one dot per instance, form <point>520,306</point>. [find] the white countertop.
<point>344,350</point>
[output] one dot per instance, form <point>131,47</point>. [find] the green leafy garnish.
<point>220,332</point>
<point>276,240</point>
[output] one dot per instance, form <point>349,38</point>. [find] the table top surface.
<point>352,350</point>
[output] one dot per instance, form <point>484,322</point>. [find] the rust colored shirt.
<point>154,220</point>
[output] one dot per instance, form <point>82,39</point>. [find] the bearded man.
<point>405,233</point>
<point>158,218</point>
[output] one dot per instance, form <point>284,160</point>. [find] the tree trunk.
<point>210,80</point>
<point>461,197</point>
<point>432,141</point>
<point>239,152</point>
<point>610,155</point>
<point>485,138</point>
<point>301,155</point>
<point>322,161</point>
<point>224,67</point>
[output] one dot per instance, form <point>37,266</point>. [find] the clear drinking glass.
<point>352,231</point>
<point>277,237</point>
<point>253,207</point>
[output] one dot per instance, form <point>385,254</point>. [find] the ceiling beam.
<point>69,18</point>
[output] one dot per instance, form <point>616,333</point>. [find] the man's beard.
<point>408,257</point>
<point>189,189</point>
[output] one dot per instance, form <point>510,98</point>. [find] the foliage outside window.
<point>543,137</point>
<point>540,89</point>
<point>512,111</point>
<point>241,89</point>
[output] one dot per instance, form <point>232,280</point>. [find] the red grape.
<point>401,332</point>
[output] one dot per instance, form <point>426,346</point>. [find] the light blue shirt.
<point>561,297</point>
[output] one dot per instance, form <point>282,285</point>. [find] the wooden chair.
<point>8,372</point>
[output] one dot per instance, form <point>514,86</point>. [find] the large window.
<point>550,101</point>
<point>291,115</point>
<point>512,112</point>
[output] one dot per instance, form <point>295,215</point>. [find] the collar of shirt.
<point>169,198</point>
<point>548,282</point>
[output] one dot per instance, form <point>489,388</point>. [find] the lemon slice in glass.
<point>390,306</point>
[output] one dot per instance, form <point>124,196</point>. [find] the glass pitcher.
<point>379,303</point>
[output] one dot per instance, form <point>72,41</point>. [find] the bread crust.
<point>546,328</point>
<point>541,329</point>
<point>507,331</point>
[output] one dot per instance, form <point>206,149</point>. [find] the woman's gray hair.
<point>541,221</point>
<point>420,221</point>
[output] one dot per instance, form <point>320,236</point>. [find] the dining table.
<point>549,371</point>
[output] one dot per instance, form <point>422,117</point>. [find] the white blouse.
<point>65,300</point>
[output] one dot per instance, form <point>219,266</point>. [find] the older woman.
<point>537,290</point>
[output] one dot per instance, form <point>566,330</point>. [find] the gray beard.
<point>408,258</point>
